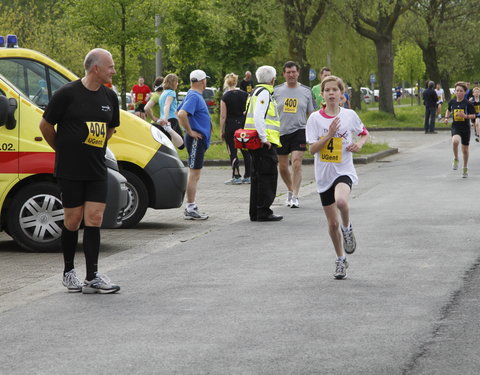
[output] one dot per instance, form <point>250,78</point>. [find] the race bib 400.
<point>331,152</point>
<point>290,105</point>
<point>97,134</point>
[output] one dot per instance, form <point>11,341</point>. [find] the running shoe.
<point>234,181</point>
<point>340,269</point>
<point>195,214</point>
<point>72,282</point>
<point>477,139</point>
<point>349,242</point>
<point>100,284</point>
<point>294,202</point>
<point>465,173</point>
<point>288,202</point>
<point>455,164</point>
<point>246,180</point>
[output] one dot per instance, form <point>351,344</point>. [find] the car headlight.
<point>160,137</point>
<point>110,155</point>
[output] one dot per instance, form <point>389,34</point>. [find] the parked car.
<point>129,102</point>
<point>367,95</point>
<point>180,96</point>
<point>209,94</point>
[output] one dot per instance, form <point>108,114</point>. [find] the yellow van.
<point>31,211</point>
<point>156,177</point>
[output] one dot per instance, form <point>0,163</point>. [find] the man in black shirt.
<point>86,114</point>
<point>247,83</point>
<point>430,99</point>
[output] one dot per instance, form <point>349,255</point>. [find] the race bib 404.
<point>331,152</point>
<point>97,133</point>
<point>290,105</point>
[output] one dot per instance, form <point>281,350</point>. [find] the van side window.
<point>35,80</point>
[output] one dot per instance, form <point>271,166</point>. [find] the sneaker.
<point>477,139</point>
<point>340,269</point>
<point>294,202</point>
<point>246,180</point>
<point>455,164</point>
<point>465,173</point>
<point>72,282</point>
<point>349,242</point>
<point>288,202</point>
<point>195,215</point>
<point>100,284</point>
<point>234,181</point>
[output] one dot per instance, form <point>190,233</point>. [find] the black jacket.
<point>430,98</point>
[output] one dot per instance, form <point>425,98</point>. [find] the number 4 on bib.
<point>331,152</point>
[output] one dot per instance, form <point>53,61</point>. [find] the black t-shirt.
<point>82,117</point>
<point>246,86</point>
<point>235,100</point>
<point>464,106</point>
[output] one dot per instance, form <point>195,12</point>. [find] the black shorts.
<point>295,141</point>
<point>464,132</point>
<point>328,196</point>
<point>75,193</point>
<point>196,152</point>
<point>140,108</point>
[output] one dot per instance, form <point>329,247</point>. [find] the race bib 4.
<point>331,152</point>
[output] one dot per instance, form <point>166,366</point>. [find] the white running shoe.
<point>340,269</point>
<point>72,282</point>
<point>288,202</point>
<point>294,202</point>
<point>465,173</point>
<point>349,242</point>
<point>455,164</point>
<point>100,284</point>
<point>195,215</point>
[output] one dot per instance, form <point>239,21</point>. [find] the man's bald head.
<point>95,57</point>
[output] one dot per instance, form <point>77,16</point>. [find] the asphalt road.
<point>227,296</point>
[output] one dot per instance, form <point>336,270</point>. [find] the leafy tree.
<point>375,20</point>
<point>409,64</point>
<point>300,19</point>
<point>125,27</point>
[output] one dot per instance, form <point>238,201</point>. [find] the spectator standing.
<point>247,83</point>
<point>441,99</point>
<point>295,104</point>
<point>194,117</point>
<point>86,114</point>
<point>462,111</point>
<point>398,93</point>
<point>329,133</point>
<point>152,110</point>
<point>232,117</point>
<point>262,116</point>
<point>168,111</point>
<point>430,100</point>
<point>316,90</point>
<point>140,95</point>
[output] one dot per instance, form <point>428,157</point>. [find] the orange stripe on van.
<point>27,162</point>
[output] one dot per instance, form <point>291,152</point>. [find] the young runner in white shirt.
<point>329,133</point>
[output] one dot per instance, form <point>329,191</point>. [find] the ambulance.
<point>156,177</point>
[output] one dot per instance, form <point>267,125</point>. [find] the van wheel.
<point>35,217</point>
<point>137,200</point>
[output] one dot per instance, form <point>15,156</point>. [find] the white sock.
<point>290,195</point>
<point>343,258</point>
<point>347,227</point>
<point>191,206</point>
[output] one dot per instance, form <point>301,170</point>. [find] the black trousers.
<point>263,188</point>
<point>230,126</point>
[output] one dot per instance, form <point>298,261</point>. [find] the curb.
<point>356,160</point>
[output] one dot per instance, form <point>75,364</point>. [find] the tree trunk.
<point>385,72</point>
<point>297,48</point>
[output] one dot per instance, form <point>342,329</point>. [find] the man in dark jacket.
<point>430,99</point>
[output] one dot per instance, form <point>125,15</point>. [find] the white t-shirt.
<point>440,94</point>
<point>334,160</point>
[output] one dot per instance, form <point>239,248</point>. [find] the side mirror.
<point>7,112</point>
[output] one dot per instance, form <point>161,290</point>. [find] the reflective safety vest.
<point>272,120</point>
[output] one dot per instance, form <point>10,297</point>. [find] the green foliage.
<point>408,63</point>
